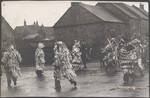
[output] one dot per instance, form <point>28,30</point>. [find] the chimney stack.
<point>37,23</point>
<point>34,23</point>
<point>141,6</point>
<point>25,22</point>
<point>75,3</point>
<point>42,25</point>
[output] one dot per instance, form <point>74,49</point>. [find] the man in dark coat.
<point>101,57</point>
<point>84,53</point>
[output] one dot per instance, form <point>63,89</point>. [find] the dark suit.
<point>83,55</point>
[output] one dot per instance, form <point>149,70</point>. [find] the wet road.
<point>92,82</point>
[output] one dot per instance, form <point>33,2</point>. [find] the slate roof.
<point>49,33</point>
<point>101,13</point>
<point>132,11</point>
<point>141,15</point>
<point>141,10</point>
<point>7,34</point>
<point>32,31</point>
<point>48,30</point>
<point>29,28</point>
<point>6,23</point>
<point>119,6</point>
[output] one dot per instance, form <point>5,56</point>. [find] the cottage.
<point>141,9</point>
<point>27,38</point>
<point>7,34</point>
<point>30,35</point>
<point>136,18</point>
<point>144,20</point>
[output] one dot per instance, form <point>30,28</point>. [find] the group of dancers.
<point>119,54</point>
<point>66,62</point>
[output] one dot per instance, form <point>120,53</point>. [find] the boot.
<point>133,76</point>
<point>15,80</point>
<point>126,78</point>
<point>73,82</point>
<point>9,82</point>
<point>85,65</point>
<point>39,73</point>
<point>141,73</point>
<point>57,84</point>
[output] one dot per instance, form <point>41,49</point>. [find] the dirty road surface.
<point>92,82</point>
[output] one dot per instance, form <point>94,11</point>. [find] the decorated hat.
<point>41,45</point>
<point>11,46</point>
<point>59,42</point>
<point>112,39</point>
<point>136,41</point>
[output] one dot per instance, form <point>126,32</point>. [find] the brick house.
<point>27,38</point>
<point>91,23</point>
<point>87,22</point>
<point>7,34</point>
<point>144,20</point>
<point>136,18</point>
<point>141,9</point>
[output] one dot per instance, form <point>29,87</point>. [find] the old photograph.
<point>74,49</point>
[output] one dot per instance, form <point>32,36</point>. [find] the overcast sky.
<point>45,12</point>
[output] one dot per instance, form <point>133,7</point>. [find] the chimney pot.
<point>42,25</point>
<point>33,23</point>
<point>25,22</point>
<point>37,23</point>
<point>141,6</point>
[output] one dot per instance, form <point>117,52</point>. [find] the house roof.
<point>101,13</point>
<point>32,31</point>
<point>133,9</point>
<point>119,6</point>
<point>7,34</point>
<point>49,33</point>
<point>30,36</point>
<point>6,23</point>
<point>141,10</point>
<point>29,28</point>
<point>48,30</point>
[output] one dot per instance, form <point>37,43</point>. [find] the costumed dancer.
<point>145,53</point>
<point>11,60</point>
<point>138,50</point>
<point>111,57</point>
<point>62,65</point>
<point>40,59</point>
<point>126,63</point>
<point>76,54</point>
